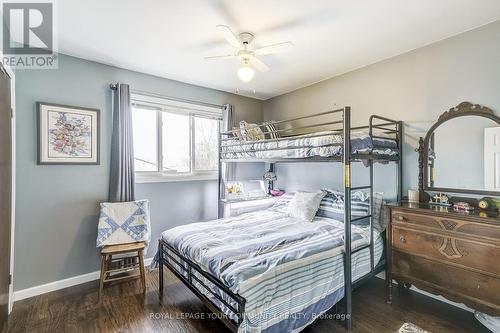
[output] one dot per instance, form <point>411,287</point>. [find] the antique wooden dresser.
<point>456,255</point>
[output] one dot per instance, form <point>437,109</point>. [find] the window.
<point>145,142</point>
<point>174,140</point>
<point>205,144</point>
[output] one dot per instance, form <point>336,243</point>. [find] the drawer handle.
<point>402,239</point>
<point>401,218</point>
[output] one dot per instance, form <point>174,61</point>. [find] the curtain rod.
<point>114,86</point>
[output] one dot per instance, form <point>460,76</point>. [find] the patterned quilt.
<point>123,222</point>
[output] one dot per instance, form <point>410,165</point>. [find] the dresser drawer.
<point>467,253</point>
<point>487,231</point>
<point>477,290</point>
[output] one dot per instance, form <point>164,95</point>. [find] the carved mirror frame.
<point>461,110</point>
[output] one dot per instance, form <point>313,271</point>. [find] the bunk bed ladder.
<point>370,216</point>
<point>347,216</point>
<point>372,245</point>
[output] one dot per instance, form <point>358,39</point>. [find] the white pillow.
<point>304,205</point>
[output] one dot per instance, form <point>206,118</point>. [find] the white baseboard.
<point>61,284</point>
<point>76,280</point>
<point>381,275</point>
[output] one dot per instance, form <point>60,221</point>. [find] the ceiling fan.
<point>248,56</point>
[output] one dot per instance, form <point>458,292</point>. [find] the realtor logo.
<point>28,35</point>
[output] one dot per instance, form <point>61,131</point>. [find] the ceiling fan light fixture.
<point>246,72</point>
<point>248,55</point>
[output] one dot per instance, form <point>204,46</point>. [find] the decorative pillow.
<point>282,204</point>
<point>250,132</point>
<point>304,205</point>
<point>272,130</point>
<point>124,222</point>
<point>332,206</point>
<point>334,203</point>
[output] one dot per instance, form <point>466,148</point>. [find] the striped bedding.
<point>309,145</point>
<point>289,271</point>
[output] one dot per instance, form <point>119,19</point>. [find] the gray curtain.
<point>228,169</point>
<point>122,179</point>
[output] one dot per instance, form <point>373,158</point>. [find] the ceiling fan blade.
<point>274,48</point>
<point>254,61</point>
<point>229,36</point>
<point>226,56</point>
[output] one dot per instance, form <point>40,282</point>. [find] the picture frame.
<point>67,135</point>
<point>254,189</point>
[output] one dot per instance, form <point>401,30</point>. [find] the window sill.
<point>153,178</point>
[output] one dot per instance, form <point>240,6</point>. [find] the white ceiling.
<point>169,38</point>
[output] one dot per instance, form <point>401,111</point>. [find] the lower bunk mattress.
<point>288,270</point>
<point>322,144</point>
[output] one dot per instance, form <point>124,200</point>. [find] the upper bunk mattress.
<point>286,269</point>
<point>322,144</point>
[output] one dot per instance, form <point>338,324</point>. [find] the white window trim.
<point>176,106</point>
<point>158,177</point>
<point>180,107</point>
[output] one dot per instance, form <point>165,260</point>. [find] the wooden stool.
<point>118,269</point>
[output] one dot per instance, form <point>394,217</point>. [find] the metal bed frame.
<point>170,257</point>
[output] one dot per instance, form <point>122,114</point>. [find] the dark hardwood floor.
<point>125,309</point>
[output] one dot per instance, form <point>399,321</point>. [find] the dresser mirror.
<point>461,152</point>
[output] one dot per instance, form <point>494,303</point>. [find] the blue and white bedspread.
<point>322,144</point>
<point>288,270</point>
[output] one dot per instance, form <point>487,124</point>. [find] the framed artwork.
<point>67,134</point>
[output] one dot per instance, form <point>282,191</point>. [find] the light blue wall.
<point>57,206</point>
<point>314,176</point>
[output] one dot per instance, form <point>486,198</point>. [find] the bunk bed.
<point>321,137</point>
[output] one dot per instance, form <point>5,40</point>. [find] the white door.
<point>492,158</point>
